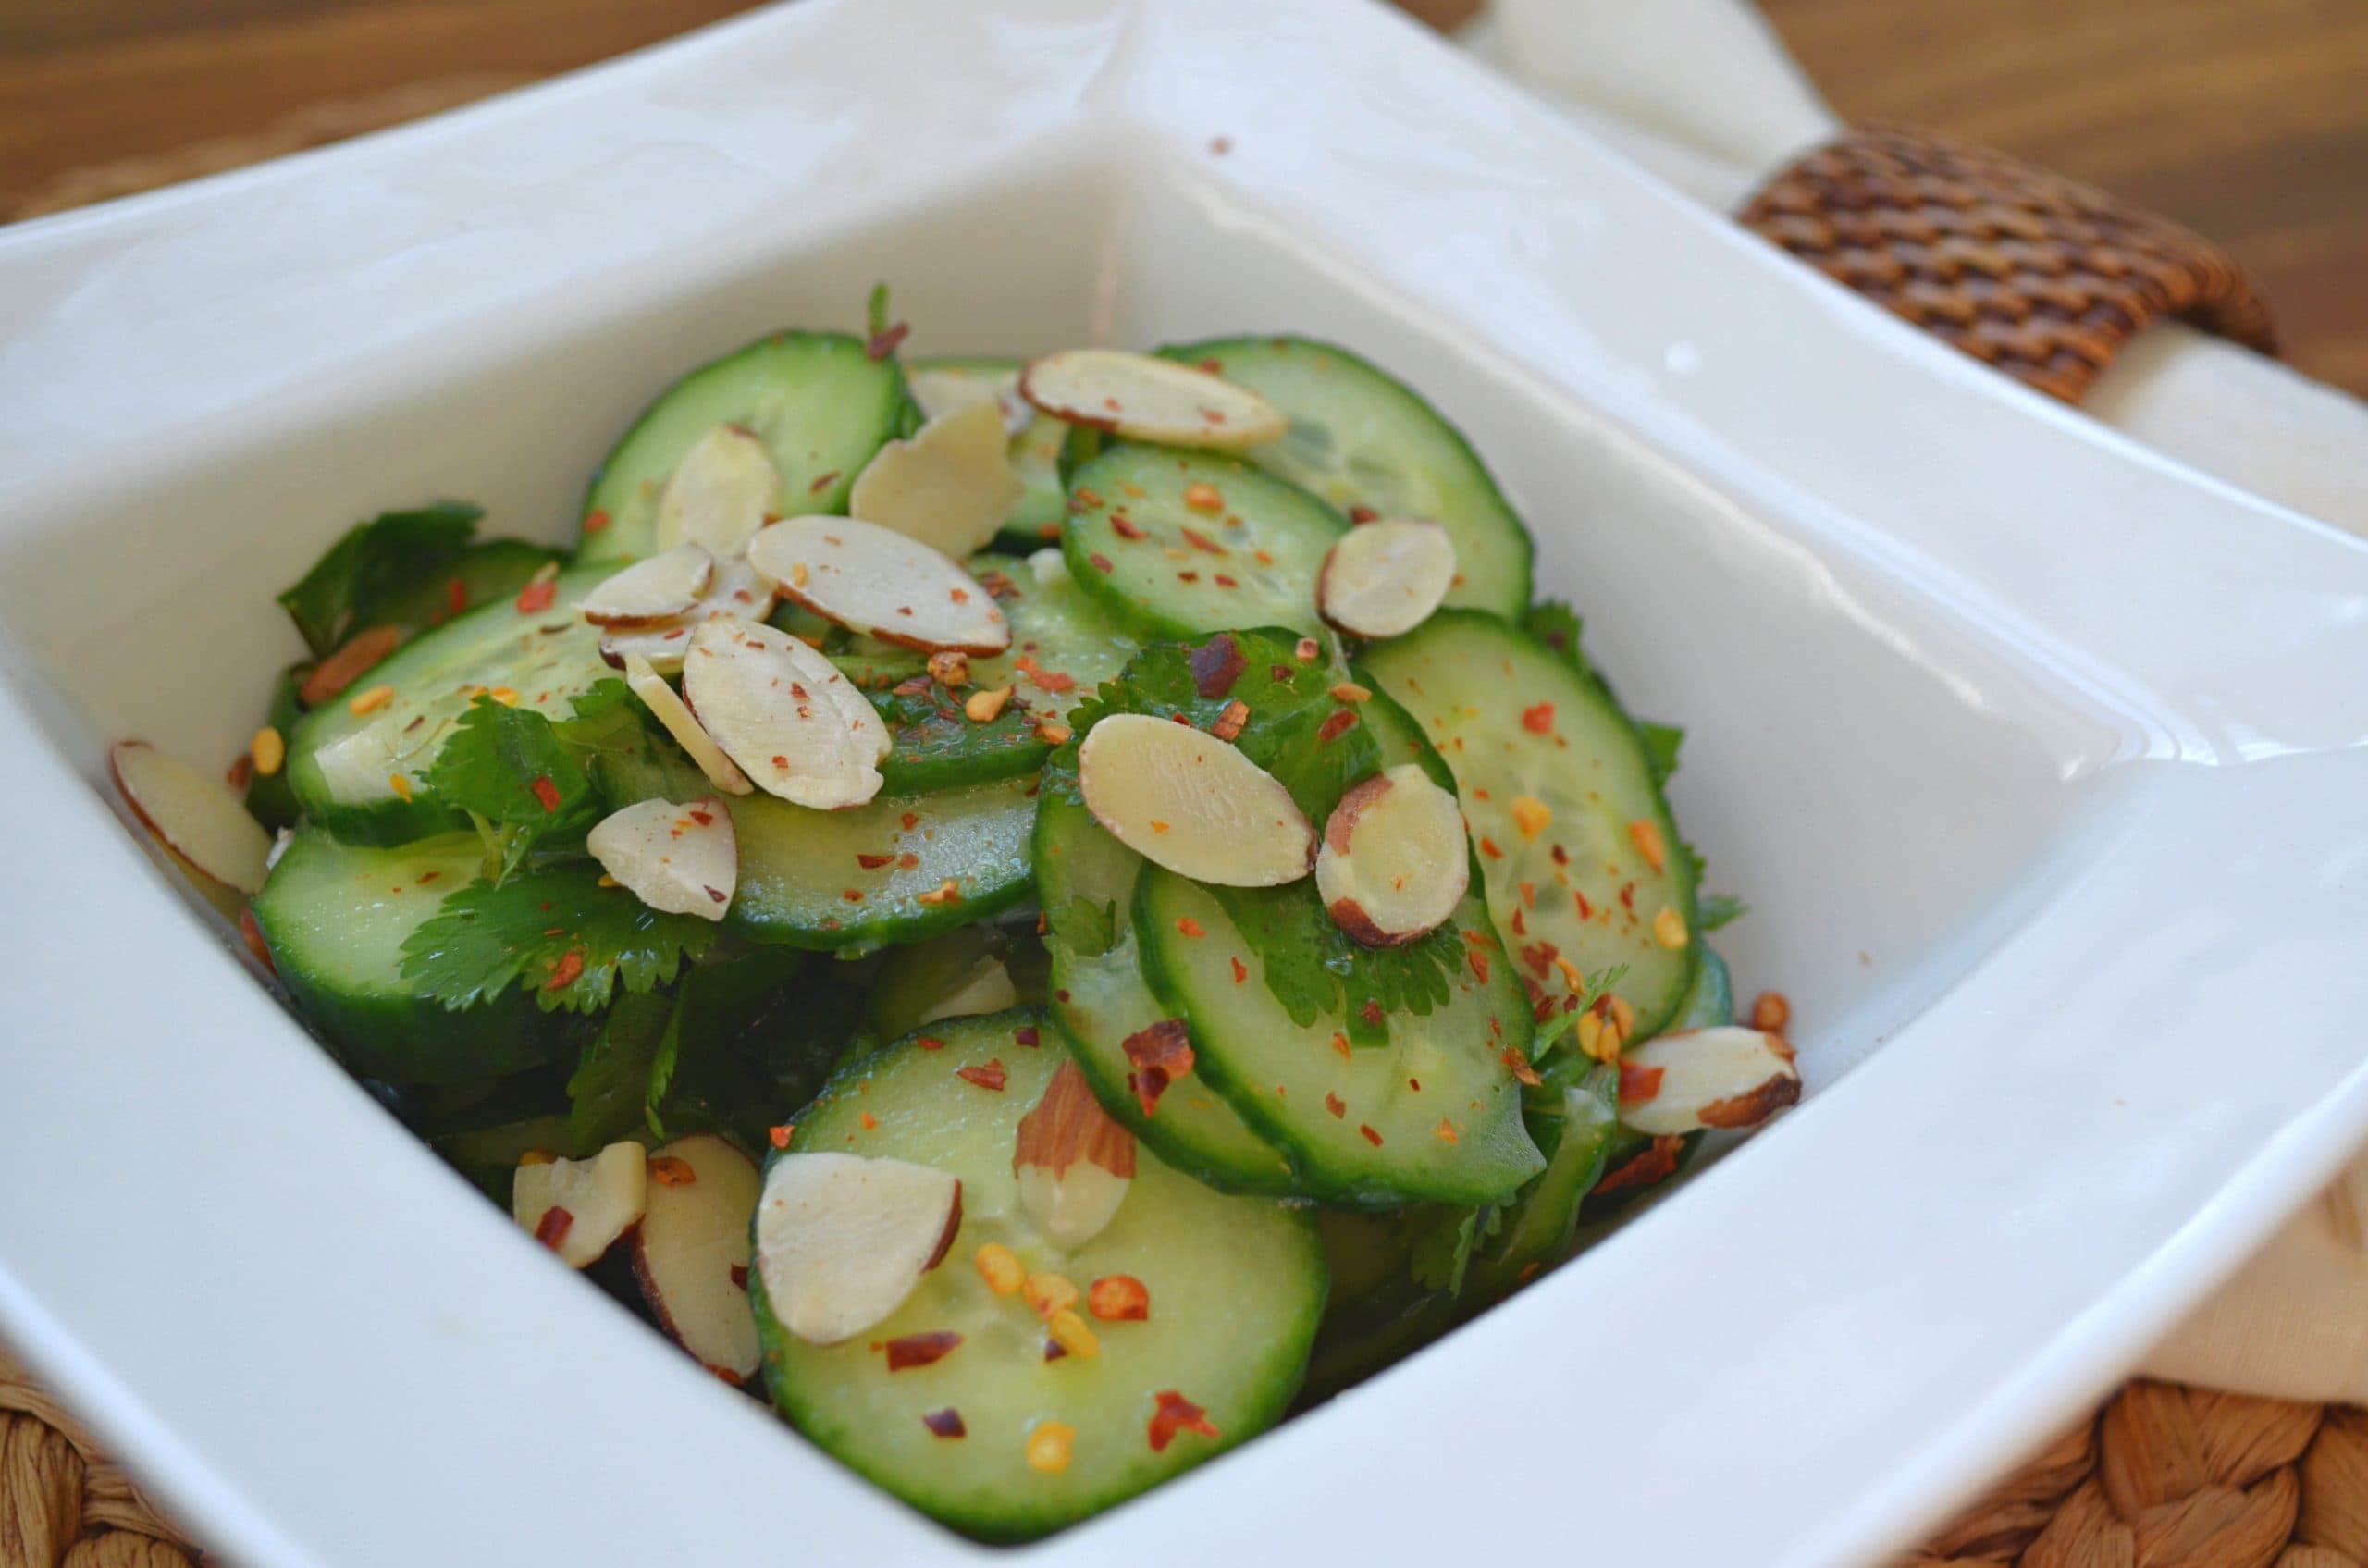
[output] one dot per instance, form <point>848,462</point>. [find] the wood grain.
<point>2246,119</point>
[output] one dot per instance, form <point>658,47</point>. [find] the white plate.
<point>2038,759</point>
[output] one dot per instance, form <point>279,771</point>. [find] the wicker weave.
<point>2039,276</point>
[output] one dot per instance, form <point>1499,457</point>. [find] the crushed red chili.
<point>907,1351</point>
<point>988,1075</point>
<point>1160,1054</point>
<point>1175,1414</point>
<point>552,1229</point>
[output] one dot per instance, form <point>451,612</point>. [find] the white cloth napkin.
<point>1702,93</point>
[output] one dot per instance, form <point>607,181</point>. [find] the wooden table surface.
<point>2246,119</point>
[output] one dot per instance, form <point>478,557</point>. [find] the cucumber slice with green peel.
<point>1085,879</point>
<point>345,765</point>
<point>1068,644</point>
<point>873,875</point>
<point>933,745</point>
<point>1434,1113</point>
<point>1236,1286</point>
<point>1178,543</point>
<point>820,404</point>
<point>1035,452</point>
<point>334,916</point>
<point>1561,797</point>
<point>1362,438</point>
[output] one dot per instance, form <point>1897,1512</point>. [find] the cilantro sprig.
<point>555,931</point>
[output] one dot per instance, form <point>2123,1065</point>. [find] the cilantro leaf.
<point>1661,742</point>
<point>609,1092</point>
<point>374,564</point>
<point>1550,1032</point>
<point>555,931</point>
<point>752,1041</point>
<point>508,765</point>
<point>1558,626</point>
<point>1315,969</point>
<point>1720,908</point>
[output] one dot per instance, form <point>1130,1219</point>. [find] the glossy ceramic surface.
<point>2039,759</point>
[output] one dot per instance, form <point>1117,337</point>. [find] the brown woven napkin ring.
<point>2039,276</point>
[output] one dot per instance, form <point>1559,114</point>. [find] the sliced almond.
<point>736,592</point>
<point>719,494</point>
<point>1073,1162</point>
<point>986,988</point>
<point>196,816</point>
<point>1383,578</point>
<point>876,581</point>
<point>663,588</point>
<point>771,703</point>
<point>841,1240</point>
<point>1149,399</point>
<point>947,388</point>
<point>578,1208</point>
<point>658,698</point>
<point>1186,800</point>
<point>690,1254</point>
<point>678,859</point>
<point>1729,1077</point>
<point>1395,862</point>
<point>950,486</point>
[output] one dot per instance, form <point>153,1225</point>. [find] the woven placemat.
<point>2162,1477</point>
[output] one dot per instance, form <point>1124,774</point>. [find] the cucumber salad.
<point>1039,916</point>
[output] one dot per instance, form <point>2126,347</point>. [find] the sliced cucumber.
<point>821,405</point>
<point>355,762</point>
<point>334,916</point>
<point>1085,879</point>
<point>871,875</point>
<point>934,745</point>
<point>1360,436</point>
<point>1524,728</point>
<point>1433,1114</point>
<point>1035,452</point>
<point>1236,1286</point>
<point>1247,554</point>
<point>1069,645</point>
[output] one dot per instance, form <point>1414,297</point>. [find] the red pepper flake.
<point>1371,1012</point>
<point>873,862</point>
<point>1201,542</point>
<point>1232,722</point>
<point>1656,1163</point>
<point>911,820</point>
<point>1340,1043</point>
<point>999,584</point>
<point>851,895</point>
<point>1342,721</point>
<point>1370,1135</point>
<point>1444,1132</point>
<point>1638,1084</point>
<point>341,669</point>
<point>1124,528</point>
<point>1175,1414</point>
<point>1518,1065</point>
<point>1187,926</point>
<point>880,345</point>
<point>779,1137</point>
<point>908,860</point>
<point>704,818</point>
<point>242,771</point>
<point>570,965</point>
<point>1362,514</point>
<point>1489,847</point>
<point>1217,664</point>
<point>946,1422</point>
<point>1028,1036</point>
<point>1540,719</point>
<point>535,598</point>
<point>1336,1105</point>
<point>1240,973</point>
<point>930,1042</point>
<point>546,791</point>
<point>595,521</point>
<point>251,934</point>
<point>822,481</point>
<point>990,1075</point>
<point>1160,1054</point>
<point>907,1351</point>
<point>868,1120</point>
<point>552,1229</point>
<point>1100,561</point>
<point>670,1170</point>
<point>740,1275</point>
<point>1118,1298</point>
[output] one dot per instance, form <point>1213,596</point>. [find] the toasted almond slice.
<point>670,712</point>
<point>876,581</point>
<point>950,486</point>
<point>1149,399</point>
<point>690,1254</point>
<point>986,988</point>
<point>1193,803</point>
<point>737,592</point>
<point>678,859</point>
<point>1073,1162</point>
<point>668,584</point>
<point>578,1208</point>
<point>1727,1077</point>
<point>758,693</point>
<point>941,392</point>
<point>719,494</point>
<point>1395,862</point>
<point>196,816</point>
<point>841,1240</point>
<point>1383,578</point>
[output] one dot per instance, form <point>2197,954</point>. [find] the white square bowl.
<point>2038,759</point>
